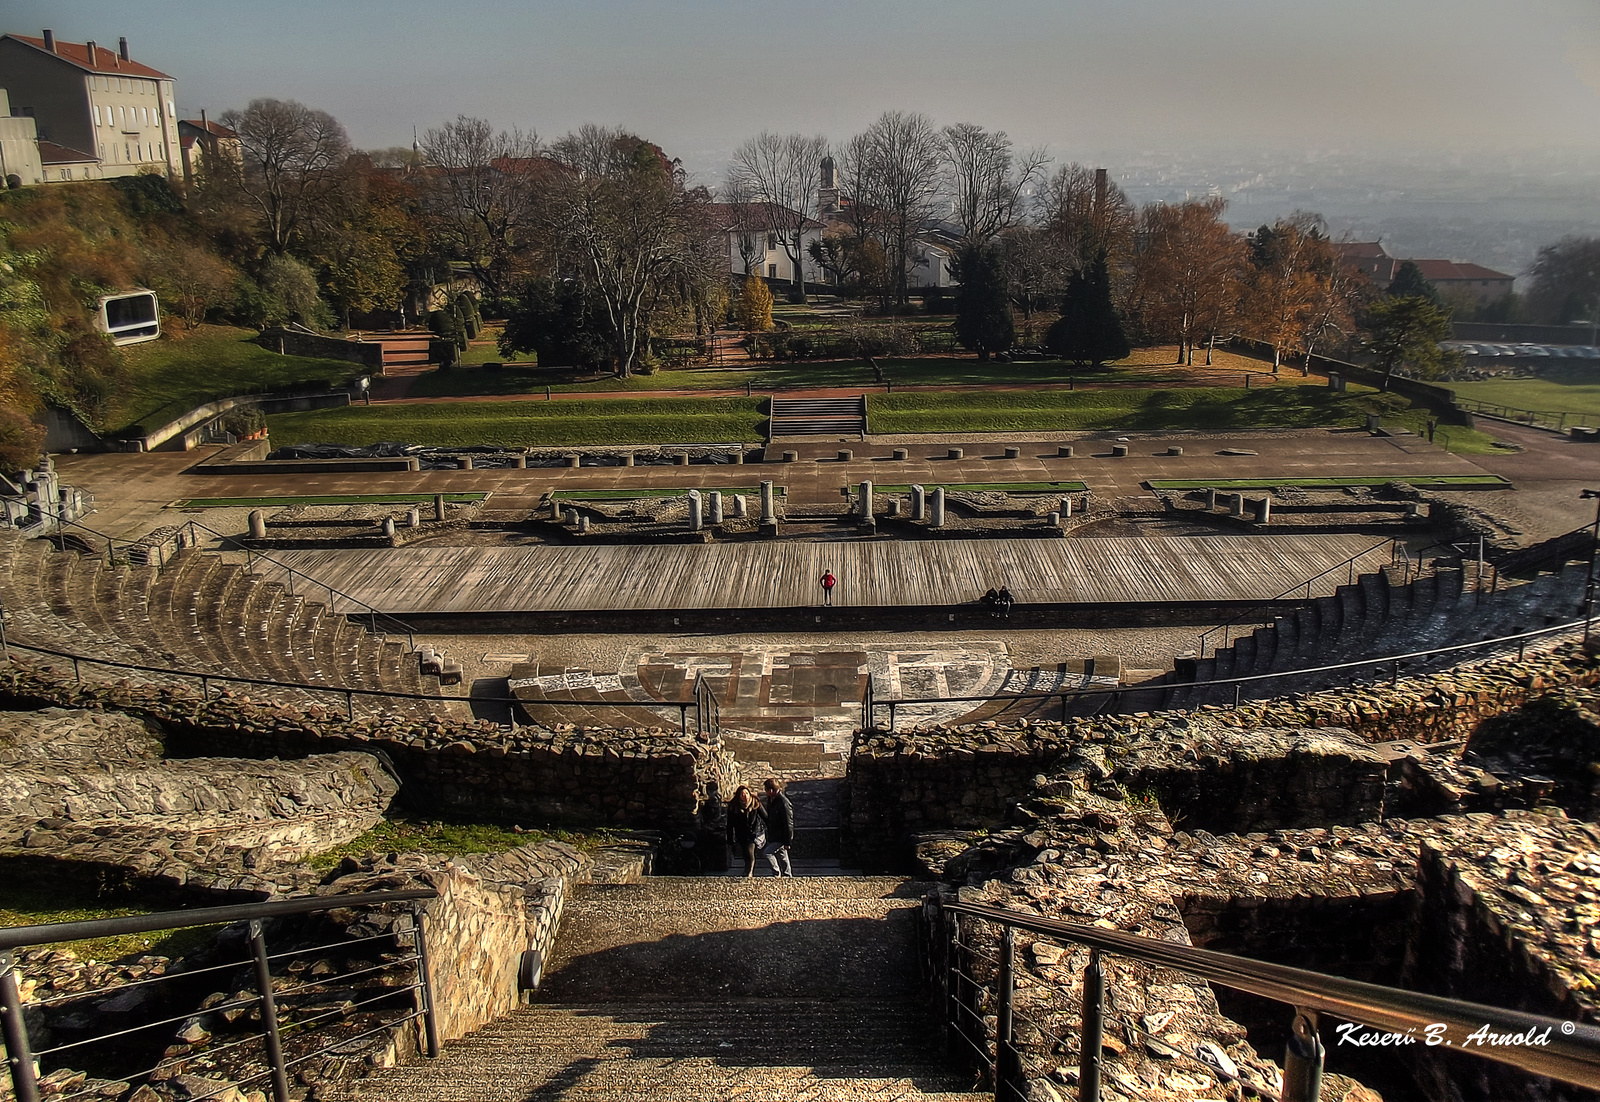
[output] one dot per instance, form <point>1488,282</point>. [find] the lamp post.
<point>1594,542</point>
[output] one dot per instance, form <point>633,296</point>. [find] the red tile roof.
<point>1446,271</point>
<point>1360,250</point>
<point>215,129</point>
<point>52,154</point>
<point>757,216</point>
<point>103,61</point>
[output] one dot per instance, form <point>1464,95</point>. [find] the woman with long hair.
<point>747,826</point>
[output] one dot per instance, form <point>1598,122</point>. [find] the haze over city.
<point>1448,127</point>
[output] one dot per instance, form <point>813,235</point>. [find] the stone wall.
<point>1255,767</point>
<point>295,807</point>
<point>1489,908</point>
<point>1212,777</point>
<point>651,778</point>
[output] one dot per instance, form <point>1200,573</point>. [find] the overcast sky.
<point>1088,78</point>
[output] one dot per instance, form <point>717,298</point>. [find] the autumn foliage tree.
<point>1189,271</point>
<point>1294,289</point>
<point>755,305</point>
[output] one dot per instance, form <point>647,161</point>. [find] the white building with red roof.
<point>1457,281</point>
<point>99,113</point>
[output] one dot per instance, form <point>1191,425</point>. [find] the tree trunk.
<point>798,259</point>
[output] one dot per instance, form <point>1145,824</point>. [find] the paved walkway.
<point>132,491</point>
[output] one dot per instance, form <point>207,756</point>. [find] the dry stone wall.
<point>1265,765</point>
<point>580,776</point>
<point>1491,908</point>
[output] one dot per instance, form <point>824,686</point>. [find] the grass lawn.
<point>666,420</point>
<point>23,903</point>
<point>643,494</point>
<point>486,348</point>
<point>1431,482</point>
<point>404,835</point>
<point>1213,409</point>
<point>317,499</point>
<point>1145,365</point>
<point>1569,390</point>
<point>1068,487</point>
<point>187,368</point>
<point>518,424</point>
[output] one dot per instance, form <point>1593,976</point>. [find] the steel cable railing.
<point>1567,1051</point>
<point>1393,661</point>
<point>275,1022</point>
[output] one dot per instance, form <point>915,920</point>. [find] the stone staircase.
<point>818,417</point>
<point>691,988</point>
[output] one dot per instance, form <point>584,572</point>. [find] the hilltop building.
<point>98,112</point>
<point>19,148</point>
<point>1458,282</point>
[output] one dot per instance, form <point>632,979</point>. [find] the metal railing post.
<point>1094,1029</point>
<point>349,705</point>
<point>77,674</point>
<point>205,687</point>
<point>19,1054</point>
<point>952,1023</point>
<point>1302,1059</point>
<point>269,1014</point>
<point>1008,1081</point>
<point>430,1024</point>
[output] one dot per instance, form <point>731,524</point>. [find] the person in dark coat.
<point>780,829</point>
<point>1004,601</point>
<point>747,827</point>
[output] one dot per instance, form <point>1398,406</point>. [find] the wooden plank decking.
<point>784,574</point>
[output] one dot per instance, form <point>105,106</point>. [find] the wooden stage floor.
<point>456,580</point>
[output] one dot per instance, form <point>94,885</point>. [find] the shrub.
<point>755,305</point>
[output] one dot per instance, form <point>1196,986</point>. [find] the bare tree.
<point>485,195</point>
<point>780,174</point>
<point>741,220</point>
<point>988,184</point>
<point>624,209</point>
<point>293,159</point>
<point>1085,213</point>
<point>893,167</point>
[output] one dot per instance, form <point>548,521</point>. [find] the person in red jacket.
<point>828,582</point>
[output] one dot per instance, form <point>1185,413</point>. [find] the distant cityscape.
<point>1495,211</point>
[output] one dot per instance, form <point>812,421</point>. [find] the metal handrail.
<point>1349,564</point>
<point>1392,660</point>
<point>14,1027</point>
<point>15,937</point>
<point>1569,1051</point>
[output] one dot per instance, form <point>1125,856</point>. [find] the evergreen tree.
<point>1089,330</point>
<point>561,322</point>
<point>1409,282</point>
<point>983,309</point>
<point>1408,331</point>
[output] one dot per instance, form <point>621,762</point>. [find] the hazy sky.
<point>1085,77</point>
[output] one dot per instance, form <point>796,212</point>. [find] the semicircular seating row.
<point>201,614</point>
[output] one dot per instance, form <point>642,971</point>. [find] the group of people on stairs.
<point>761,826</point>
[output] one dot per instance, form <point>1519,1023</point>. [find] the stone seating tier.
<point>199,614</point>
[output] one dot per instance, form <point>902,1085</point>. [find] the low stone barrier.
<point>582,777</point>
<point>1254,767</point>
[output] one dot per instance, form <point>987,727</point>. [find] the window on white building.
<point>772,271</point>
